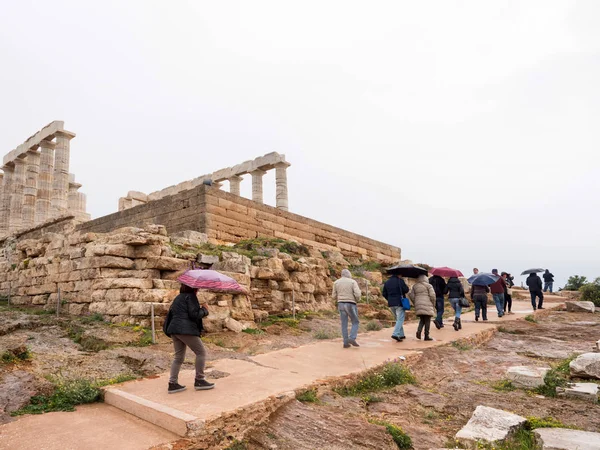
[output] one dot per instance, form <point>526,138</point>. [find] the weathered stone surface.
<point>233,325</point>
<point>233,262</point>
<point>527,377</point>
<point>490,424</point>
<point>597,349</point>
<point>580,307</point>
<point>208,259</point>
<point>583,391</point>
<point>163,263</point>
<point>565,439</point>
<point>586,366</point>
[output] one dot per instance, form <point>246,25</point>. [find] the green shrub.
<point>15,355</point>
<point>373,325</point>
<point>387,376</point>
<point>322,334</point>
<point>369,399</point>
<point>530,318</point>
<point>402,440</point>
<point>556,377</point>
<point>96,317</point>
<point>308,396</point>
<point>545,422</point>
<point>252,331</point>
<point>503,386</point>
<point>66,396</point>
<point>591,292</point>
<point>461,345</point>
<point>575,282</point>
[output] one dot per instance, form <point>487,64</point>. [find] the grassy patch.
<point>308,396</point>
<point>545,422</point>
<point>387,376</point>
<point>373,325</point>
<point>322,334</point>
<point>289,321</point>
<point>252,331</point>
<point>15,355</point>
<point>145,338</point>
<point>237,445</point>
<point>558,376</point>
<point>402,440</point>
<point>66,396</point>
<point>88,343</point>
<point>367,266</point>
<point>461,345</point>
<point>368,399</point>
<point>93,318</point>
<point>530,318</point>
<point>503,386</point>
<point>506,330</point>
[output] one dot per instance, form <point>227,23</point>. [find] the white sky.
<point>466,132</point>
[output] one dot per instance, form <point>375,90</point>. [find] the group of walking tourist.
<point>183,323</point>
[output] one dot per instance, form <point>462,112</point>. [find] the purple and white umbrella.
<point>209,279</point>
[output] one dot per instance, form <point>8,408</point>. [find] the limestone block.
<point>127,239</point>
<point>83,285</point>
<point>163,263</point>
<point>207,297</point>
<point>586,366</point>
<point>583,391</point>
<point>241,278</point>
<point>290,265</point>
<point>98,308</point>
<point>147,251</point>
<point>222,303</point>
<point>580,307</point>
<point>123,283</point>
<point>148,273</point>
<point>167,251</point>
<point>107,261</point>
<point>308,288</point>
<point>565,439</point>
<point>39,300</point>
<point>233,325</point>
<point>98,296</point>
<point>213,324</point>
<point>165,284</point>
<point>527,377</point>
<point>140,309</point>
<point>156,229</point>
<point>77,309</point>
<point>208,259</point>
<point>489,425</point>
<point>233,262</point>
<point>81,297</point>
<point>260,315</point>
<point>336,257</point>
<point>263,273</point>
<point>274,285</point>
<point>76,252</point>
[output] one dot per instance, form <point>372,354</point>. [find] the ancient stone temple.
<point>257,167</point>
<point>36,185</point>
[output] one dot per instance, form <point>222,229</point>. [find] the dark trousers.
<point>538,294</point>
<point>439,307</point>
<point>480,305</point>
<point>507,302</point>
<point>424,321</point>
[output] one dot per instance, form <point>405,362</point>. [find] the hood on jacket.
<point>453,279</point>
<point>346,274</point>
<point>547,271</point>
<point>423,279</point>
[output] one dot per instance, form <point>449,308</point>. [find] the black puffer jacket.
<point>455,288</point>
<point>185,316</point>
<point>394,290</point>
<point>534,283</point>
<point>439,285</point>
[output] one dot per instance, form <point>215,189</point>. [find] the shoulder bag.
<point>405,301</point>
<point>464,302</point>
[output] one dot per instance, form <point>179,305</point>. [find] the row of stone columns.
<point>36,186</point>
<point>281,199</point>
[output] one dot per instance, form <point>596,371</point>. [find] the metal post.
<point>9,293</point>
<point>293,304</point>
<point>58,303</point>
<point>153,329</point>
<point>367,290</point>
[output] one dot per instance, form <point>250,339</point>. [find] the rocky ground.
<point>451,382</point>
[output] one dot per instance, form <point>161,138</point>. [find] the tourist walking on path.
<point>548,281</point>
<point>456,291</point>
<point>479,297</point>
<point>534,283</point>
<point>422,296</point>
<point>497,290</point>
<point>508,292</point>
<point>439,287</point>
<point>184,326</point>
<point>394,290</point>
<point>346,292</point>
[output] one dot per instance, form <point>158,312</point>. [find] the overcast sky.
<point>465,132</point>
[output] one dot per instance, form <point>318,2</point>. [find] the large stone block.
<point>580,307</point>
<point>123,283</point>
<point>527,377</point>
<point>147,251</point>
<point>582,391</point>
<point>586,366</point>
<point>565,439</point>
<point>171,264</point>
<point>489,425</point>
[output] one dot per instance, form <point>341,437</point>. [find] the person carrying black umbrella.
<point>534,282</point>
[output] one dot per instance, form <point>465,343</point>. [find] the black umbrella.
<point>528,271</point>
<point>407,270</point>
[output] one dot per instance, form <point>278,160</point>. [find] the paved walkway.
<point>249,381</point>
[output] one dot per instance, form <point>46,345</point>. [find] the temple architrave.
<point>36,186</point>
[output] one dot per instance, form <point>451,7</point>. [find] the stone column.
<point>216,184</point>
<point>77,200</point>
<point>257,185</point>
<point>60,187</point>
<point>234,184</point>
<point>45,182</point>
<point>32,170</point>
<point>16,198</point>
<point>281,185</point>
<point>5,205</point>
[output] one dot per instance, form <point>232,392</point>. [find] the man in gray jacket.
<point>346,292</point>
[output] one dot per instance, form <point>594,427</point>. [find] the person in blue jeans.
<point>548,281</point>
<point>456,291</point>
<point>394,290</point>
<point>497,289</point>
<point>346,292</point>
<point>439,287</point>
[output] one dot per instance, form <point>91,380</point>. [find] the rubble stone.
<point>565,439</point>
<point>583,391</point>
<point>586,365</point>
<point>489,425</point>
<point>580,307</point>
<point>527,377</point>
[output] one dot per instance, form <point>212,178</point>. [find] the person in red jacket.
<point>497,290</point>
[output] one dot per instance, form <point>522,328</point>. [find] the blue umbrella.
<point>483,279</point>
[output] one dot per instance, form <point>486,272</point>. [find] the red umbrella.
<point>446,272</point>
<point>209,279</point>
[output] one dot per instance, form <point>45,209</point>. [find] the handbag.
<point>404,300</point>
<point>464,302</point>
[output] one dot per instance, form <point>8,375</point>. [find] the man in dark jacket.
<point>394,290</point>
<point>534,282</point>
<point>184,325</point>
<point>439,287</point>
<point>497,290</point>
<point>548,281</point>
<point>479,297</point>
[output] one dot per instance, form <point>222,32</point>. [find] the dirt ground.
<point>451,383</point>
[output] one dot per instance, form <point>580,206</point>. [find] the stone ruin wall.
<point>121,273</point>
<point>229,218</point>
<point>35,183</point>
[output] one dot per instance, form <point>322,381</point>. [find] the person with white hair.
<point>347,293</point>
